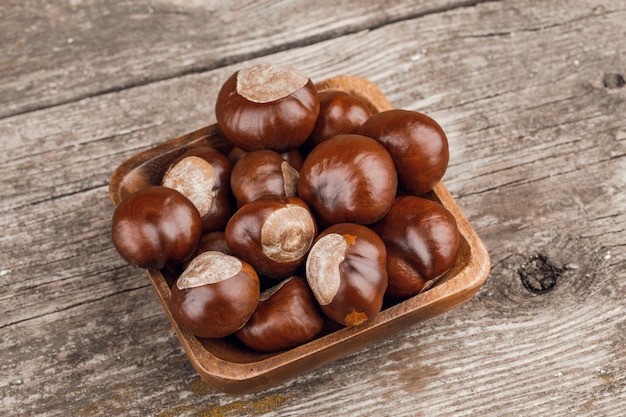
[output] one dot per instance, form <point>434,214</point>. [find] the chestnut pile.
<point>316,215</point>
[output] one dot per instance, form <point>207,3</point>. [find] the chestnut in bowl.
<point>211,241</point>
<point>346,270</point>
<point>293,157</point>
<point>202,175</point>
<point>422,240</point>
<point>348,179</point>
<point>262,173</point>
<point>273,234</point>
<point>287,316</point>
<point>267,107</point>
<point>215,295</point>
<point>340,113</point>
<point>156,227</point>
<point>417,144</point>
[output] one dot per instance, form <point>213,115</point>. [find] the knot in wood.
<point>538,275</point>
<point>612,81</point>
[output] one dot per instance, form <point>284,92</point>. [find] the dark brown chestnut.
<point>155,227</point>
<point>348,179</point>
<point>215,295</point>
<point>287,316</point>
<point>262,173</point>
<point>340,113</point>
<point>346,270</point>
<point>211,241</point>
<point>422,240</point>
<point>293,156</point>
<point>202,175</point>
<point>273,234</point>
<point>267,107</point>
<point>417,144</point>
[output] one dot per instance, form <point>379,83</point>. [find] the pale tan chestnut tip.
<point>265,83</point>
<point>322,267</point>
<point>209,267</point>
<point>287,234</point>
<point>194,178</point>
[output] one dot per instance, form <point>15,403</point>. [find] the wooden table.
<point>530,93</point>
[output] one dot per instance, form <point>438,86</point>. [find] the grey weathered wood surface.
<point>531,94</point>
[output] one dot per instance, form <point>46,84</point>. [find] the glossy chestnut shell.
<point>262,173</point>
<point>253,117</point>
<point>203,174</point>
<point>287,316</point>
<point>273,234</point>
<point>215,295</point>
<point>422,240</point>
<point>293,156</point>
<point>340,113</point>
<point>348,179</point>
<point>346,270</point>
<point>417,145</point>
<point>155,227</point>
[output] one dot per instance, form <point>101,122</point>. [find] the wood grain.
<point>529,95</point>
<point>62,51</point>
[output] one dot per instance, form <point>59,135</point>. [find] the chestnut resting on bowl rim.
<point>267,107</point>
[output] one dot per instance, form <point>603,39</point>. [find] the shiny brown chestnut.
<point>348,179</point>
<point>155,227</point>
<point>346,270</point>
<point>293,156</point>
<point>340,113</point>
<point>267,107</point>
<point>422,240</point>
<point>202,175</point>
<point>417,144</point>
<point>273,234</point>
<point>287,316</point>
<point>262,173</point>
<point>215,295</point>
<point>211,241</point>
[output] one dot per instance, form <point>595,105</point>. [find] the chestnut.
<point>215,295</point>
<point>202,175</point>
<point>267,107</point>
<point>348,179</point>
<point>340,113</point>
<point>155,227</point>
<point>422,240</point>
<point>287,316</point>
<point>417,145</point>
<point>262,173</point>
<point>273,234</point>
<point>293,156</point>
<point>215,241</point>
<point>212,241</point>
<point>346,270</point>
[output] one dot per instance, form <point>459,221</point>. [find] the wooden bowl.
<point>226,364</point>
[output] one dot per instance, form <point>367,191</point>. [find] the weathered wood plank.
<point>59,51</point>
<point>537,164</point>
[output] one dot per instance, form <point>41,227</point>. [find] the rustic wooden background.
<point>531,94</point>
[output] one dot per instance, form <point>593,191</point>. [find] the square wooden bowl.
<point>226,364</point>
